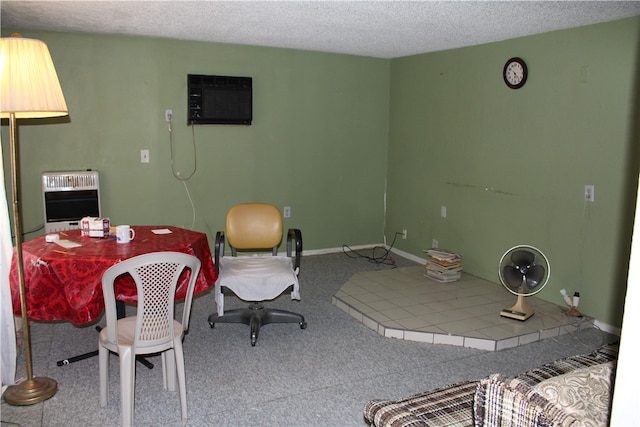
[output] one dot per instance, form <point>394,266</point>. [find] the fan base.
<point>519,311</point>
<point>512,314</point>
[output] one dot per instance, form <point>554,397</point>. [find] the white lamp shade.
<point>29,85</point>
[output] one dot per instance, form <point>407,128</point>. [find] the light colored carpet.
<point>315,377</point>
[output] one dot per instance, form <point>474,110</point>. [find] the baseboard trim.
<point>407,255</point>
<point>613,330</point>
<point>340,249</point>
<point>361,247</point>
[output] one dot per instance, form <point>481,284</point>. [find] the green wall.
<point>318,142</point>
<point>333,133</point>
<point>511,165</point>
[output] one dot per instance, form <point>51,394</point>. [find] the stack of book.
<point>443,266</point>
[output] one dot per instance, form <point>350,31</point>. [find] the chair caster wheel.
<point>212,325</point>
<point>303,325</point>
<point>254,338</point>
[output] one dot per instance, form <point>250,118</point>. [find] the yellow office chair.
<point>153,328</point>
<point>256,228</point>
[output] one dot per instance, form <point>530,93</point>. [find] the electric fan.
<point>524,271</point>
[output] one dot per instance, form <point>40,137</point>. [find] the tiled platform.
<point>403,303</point>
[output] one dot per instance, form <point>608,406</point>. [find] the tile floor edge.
<point>487,344</point>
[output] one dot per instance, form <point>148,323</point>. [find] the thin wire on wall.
<point>178,175</point>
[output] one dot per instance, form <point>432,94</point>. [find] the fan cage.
<point>539,255</point>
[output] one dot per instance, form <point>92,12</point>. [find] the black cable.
<point>39,227</point>
<point>385,259</point>
<point>24,233</point>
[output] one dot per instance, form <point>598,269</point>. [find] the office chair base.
<point>255,316</point>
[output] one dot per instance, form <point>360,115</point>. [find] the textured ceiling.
<point>384,29</point>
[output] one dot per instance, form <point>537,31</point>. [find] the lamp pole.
<point>29,88</point>
<point>32,390</point>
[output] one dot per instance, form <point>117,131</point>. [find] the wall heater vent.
<point>68,197</point>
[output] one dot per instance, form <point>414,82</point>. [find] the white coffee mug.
<point>124,234</point>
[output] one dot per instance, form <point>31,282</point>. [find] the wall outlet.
<point>434,243</point>
<point>286,212</point>
<point>589,193</point>
<point>404,234</point>
<point>144,156</point>
<point>168,116</point>
<point>443,211</point>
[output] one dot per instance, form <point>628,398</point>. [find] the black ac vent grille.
<point>219,100</point>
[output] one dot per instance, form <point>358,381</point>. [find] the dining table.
<point>63,277</point>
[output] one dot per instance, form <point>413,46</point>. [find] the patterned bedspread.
<point>452,406</point>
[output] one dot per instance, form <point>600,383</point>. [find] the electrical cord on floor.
<point>384,259</point>
<point>580,324</point>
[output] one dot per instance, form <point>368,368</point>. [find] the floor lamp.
<point>29,88</point>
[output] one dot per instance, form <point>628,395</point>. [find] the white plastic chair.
<point>152,330</point>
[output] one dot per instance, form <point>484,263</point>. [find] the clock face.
<point>515,73</point>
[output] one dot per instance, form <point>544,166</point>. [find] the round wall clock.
<point>515,73</point>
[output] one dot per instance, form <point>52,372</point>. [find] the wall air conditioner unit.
<point>222,100</point>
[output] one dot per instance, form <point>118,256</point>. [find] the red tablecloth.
<point>66,284</point>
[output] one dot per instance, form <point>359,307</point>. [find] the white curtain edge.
<point>7,321</point>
